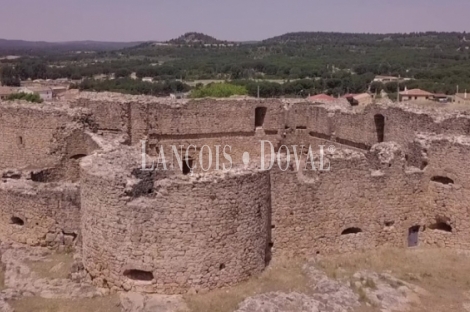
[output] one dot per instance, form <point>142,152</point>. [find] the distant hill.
<point>421,39</point>
<point>19,46</point>
<point>195,38</point>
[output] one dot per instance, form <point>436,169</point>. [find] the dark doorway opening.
<point>260,114</point>
<point>380,127</point>
<point>413,236</point>
<point>138,275</point>
<point>187,165</point>
<point>352,230</point>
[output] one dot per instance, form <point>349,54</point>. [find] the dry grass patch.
<point>37,304</point>
<point>58,265</point>
<point>441,272</point>
<point>283,274</point>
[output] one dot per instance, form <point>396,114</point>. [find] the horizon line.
<point>250,40</point>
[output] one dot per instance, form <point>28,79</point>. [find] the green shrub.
<point>219,90</point>
<point>30,97</point>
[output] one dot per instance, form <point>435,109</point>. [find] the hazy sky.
<point>139,20</point>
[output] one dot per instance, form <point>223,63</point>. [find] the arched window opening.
<point>441,226</point>
<point>389,223</point>
<point>77,156</point>
<point>138,275</point>
<point>17,221</point>
<point>442,180</point>
<point>352,230</point>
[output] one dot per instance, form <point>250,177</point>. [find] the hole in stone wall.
<point>138,275</point>
<point>301,128</point>
<point>442,180</point>
<point>380,127</point>
<point>221,266</point>
<point>73,236</point>
<point>17,221</point>
<point>20,140</point>
<point>413,236</point>
<point>441,226</point>
<point>187,165</point>
<point>352,230</point>
<point>273,226</point>
<point>424,164</point>
<point>43,176</point>
<point>389,223</point>
<point>260,114</point>
<point>77,156</point>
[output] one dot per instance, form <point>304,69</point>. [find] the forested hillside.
<point>335,62</point>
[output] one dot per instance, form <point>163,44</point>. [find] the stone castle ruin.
<point>72,178</point>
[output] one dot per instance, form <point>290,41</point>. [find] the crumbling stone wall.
<point>445,182</point>
<point>39,205</point>
<point>34,213</point>
<point>374,197</point>
<point>171,234</point>
<point>38,135</point>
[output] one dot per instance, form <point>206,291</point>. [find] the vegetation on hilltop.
<point>336,63</point>
<point>219,90</point>
<point>195,37</point>
<point>131,86</point>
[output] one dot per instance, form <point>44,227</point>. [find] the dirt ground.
<point>443,273</point>
<point>282,275</point>
<point>36,304</point>
<point>58,265</point>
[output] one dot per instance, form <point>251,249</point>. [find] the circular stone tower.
<point>164,232</point>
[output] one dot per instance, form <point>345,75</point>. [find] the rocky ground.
<point>382,292</point>
<point>30,284</point>
<point>36,279</point>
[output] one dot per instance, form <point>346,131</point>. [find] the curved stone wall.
<point>176,234</point>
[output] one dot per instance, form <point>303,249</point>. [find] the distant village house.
<point>5,92</point>
<point>462,98</point>
<point>44,93</point>
<point>415,94</point>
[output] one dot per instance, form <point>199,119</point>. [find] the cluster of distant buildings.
<point>47,93</point>
<point>354,99</point>
<point>412,95</point>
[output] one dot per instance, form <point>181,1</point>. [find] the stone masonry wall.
<point>170,233</point>
<point>176,234</point>
<point>31,134</point>
<point>42,214</point>
<point>311,209</point>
